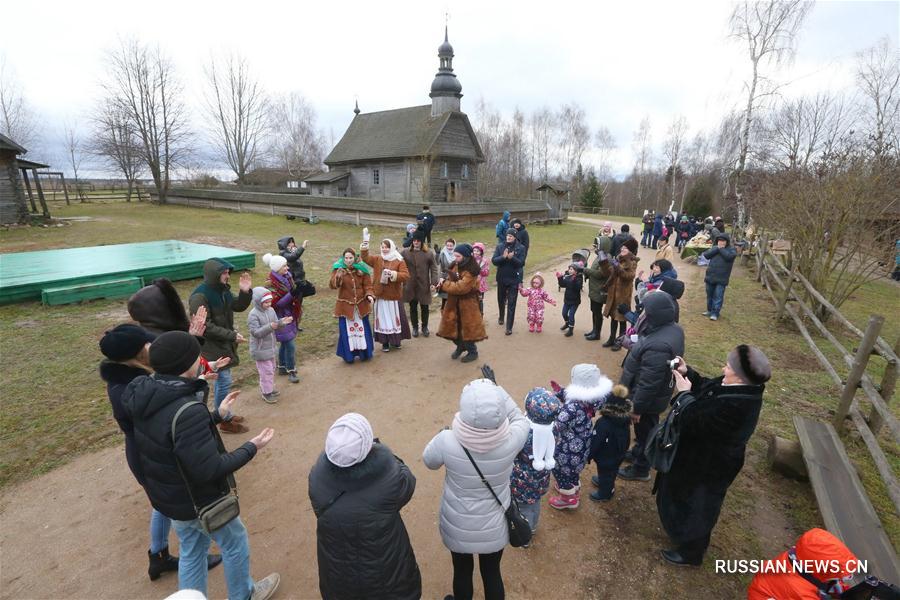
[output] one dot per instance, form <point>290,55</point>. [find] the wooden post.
<point>62,178</point>
<point>40,191</point>
<point>888,384</point>
<point>782,301</point>
<point>856,371</point>
<point>28,187</point>
<point>761,256</point>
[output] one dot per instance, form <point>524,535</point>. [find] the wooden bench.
<point>843,503</point>
<point>105,288</point>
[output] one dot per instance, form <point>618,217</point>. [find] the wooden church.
<point>422,154</point>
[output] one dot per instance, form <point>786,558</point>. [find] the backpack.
<point>663,441</point>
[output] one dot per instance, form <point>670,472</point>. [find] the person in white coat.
<point>493,429</point>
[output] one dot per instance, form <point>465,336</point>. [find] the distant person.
<point>423,277</point>
<point>721,260</point>
<point>185,465</point>
<point>357,488</point>
<point>221,338</point>
<point>445,260</point>
<point>620,271</point>
<point>502,226</point>
<point>572,282</point>
<point>620,238</point>
<point>262,324</point>
<point>509,258</point>
<point>410,232</point>
<point>389,273</point>
<point>647,235</point>
<point>485,263</point>
<point>597,280</point>
<point>713,433</point>
<point>657,231</point>
<point>428,221</point>
<point>684,232</point>
<point>292,253</point>
<point>664,249</point>
<point>489,431</point>
<point>537,297</point>
<point>461,320</point>
<point>287,295</point>
<point>352,278</point>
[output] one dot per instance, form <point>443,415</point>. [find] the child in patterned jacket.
<point>530,478</point>
<point>582,398</point>
<point>537,296</point>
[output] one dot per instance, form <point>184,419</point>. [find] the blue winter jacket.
<point>502,226</point>
<point>721,260</point>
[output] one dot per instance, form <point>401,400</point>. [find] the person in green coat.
<point>220,338</point>
<point>597,281</point>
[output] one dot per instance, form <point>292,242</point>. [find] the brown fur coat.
<point>461,317</point>
<point>620,285</point>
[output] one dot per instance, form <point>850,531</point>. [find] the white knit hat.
<point>274,261</point>
<point>588,383</point>
<point>349,440</point>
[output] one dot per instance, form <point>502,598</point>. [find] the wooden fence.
<point>593,210</point>
<point>787,288</point>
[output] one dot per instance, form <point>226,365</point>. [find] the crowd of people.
<point>169,382</point>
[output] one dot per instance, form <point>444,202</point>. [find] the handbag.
<point>304,289</point>
<point>519,528</point>
<point>663,441</point>
<point>220,511</point>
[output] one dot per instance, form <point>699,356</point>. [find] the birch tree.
<point>17,119</point>
<point>672,149</point>
<point>643,154</point>
<point>116,144</point>
<point>297,145</point>
<point>878,77</point>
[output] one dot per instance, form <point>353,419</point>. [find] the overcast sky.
<point>621,60</point>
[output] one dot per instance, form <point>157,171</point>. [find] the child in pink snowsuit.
<point>537,296</point>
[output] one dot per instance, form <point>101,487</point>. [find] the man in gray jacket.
<point>721,260</point>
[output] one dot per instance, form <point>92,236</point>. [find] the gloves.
<point>488,373</point>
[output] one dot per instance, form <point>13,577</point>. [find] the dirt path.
<point>81,530</point>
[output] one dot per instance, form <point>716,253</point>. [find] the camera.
<point>673,364</point>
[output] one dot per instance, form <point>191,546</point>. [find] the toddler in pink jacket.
<point>537,296</point>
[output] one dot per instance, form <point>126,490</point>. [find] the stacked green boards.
<point>74,274</point>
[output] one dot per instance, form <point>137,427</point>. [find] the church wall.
<point>455,141</point>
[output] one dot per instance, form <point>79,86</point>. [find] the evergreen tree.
<point>592,195</point>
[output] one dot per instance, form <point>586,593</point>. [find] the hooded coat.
<point>597,280</point>
<point>261,323</point>
<point>658,226</point>
<point>573,429</point>
<point>721,261</point>
<point>714,431</point>
<point>423,273</point>
<point>611,436</point>
<point>362,545</point>
<point>220,336</point>
<point>470,521</point>
<point>521,235</point>
<point>620,278</point>
<point>646,372</point>
<point>502,226</point>
<point>158,308</point>
<point>461,318</point>
<point>150,402</point>
<point>293,257</point>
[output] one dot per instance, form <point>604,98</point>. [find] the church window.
<point>444,170</point>
<point>465,171</point>
<point>376,177</point>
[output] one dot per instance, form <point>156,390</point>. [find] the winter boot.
<point>161,562</point>
<point>469,357</point>
<point>540,327</point>
<point>569,331</point>
<point>415,331</point>
<point>425,332</point>
<point>565,326</point>
<point>634,473</point>
<point>292,376</point>
<point>282,370</point>
<point>531,327</point>
<point>567,499</point>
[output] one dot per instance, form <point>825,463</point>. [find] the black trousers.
<point>694,550</point>
<point>642,431</point>
<point>428,237</point>
<point>414,314</point>
<point>488,564</point>
<point>507,295</point>
<point>616,328</point>
<point>597,317</point>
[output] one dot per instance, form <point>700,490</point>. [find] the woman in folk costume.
<point>352,279</point>
<point>390,272</point>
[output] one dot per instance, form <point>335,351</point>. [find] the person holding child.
<point>537,296</point>
<point>287,297</point>
<point>352,278</point>
<point>609,442</point>
<point>572,281</point>
<point>263,323</point>
<point>581,399</point>
<point>389,274</point>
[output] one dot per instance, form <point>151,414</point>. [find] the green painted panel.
<point>24,275</point>
<point>114,288</point>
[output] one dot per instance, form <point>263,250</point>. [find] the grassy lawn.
<point>54,405</point>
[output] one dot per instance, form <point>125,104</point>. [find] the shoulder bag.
<point>663,441</point>
<point>519,528</point>
<point>219,512</point>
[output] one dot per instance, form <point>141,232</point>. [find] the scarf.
<point>358,265</point>
<point>448,255</point>
<point>480,440</point>
<point>392,253</point>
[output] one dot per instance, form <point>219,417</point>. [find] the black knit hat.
<point>631,244</point>
<point>511,231</point>
<point>464,249</point>
<point>749,363</point>
<point>124,341</point>
<point>174,352</point>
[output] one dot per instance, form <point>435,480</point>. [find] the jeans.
<point>642,431</point>
<point>715,297</point>
<point>194,546</point>
<point>645,238</point>
<point>568,313</point>
<point>532,512</point>
<point>287,355</point>
<point>266,370</point>
<point>488,564</point>
<point>507,295</point>
<point>221,389</point>
<point>159,531</point>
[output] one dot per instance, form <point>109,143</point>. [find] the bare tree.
<point>296,143</point>
<point>17,119</point>
<point>878,76</point>
<point>769,28</point>
<point>116,143</point>
<point>74,155</point>
<point>573,139</point>
<point>604,145</point>
<point>541,126</point>
<point>237,109</point>
<point>672,148</point>
<point>143,84</point>
<point>643,154</point>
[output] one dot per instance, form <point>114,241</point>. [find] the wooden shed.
<point>16,189</point>
<point>556,196</point>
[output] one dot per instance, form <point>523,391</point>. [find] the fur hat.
<point>750,364</point>
<point>174,352</point>
<point>420,235</point>
<point>349,440</point>
<point>158,308</point>
<point>588,383</point>
<point>617,403</point>
<point>274,261</point>
<point>537,276</point>
<point>631,244</point>
<point>541,406</point>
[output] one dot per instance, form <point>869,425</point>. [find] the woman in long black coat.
<point>714,432</point>
<point>357,488</point>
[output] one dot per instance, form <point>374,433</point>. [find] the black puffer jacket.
<point>721,260</point>
<point>150,402</point>
<point>117,377</point>
<point>646,372</point>
<point>572,284</point>
<point>521,235</point>
<point>363,548</point>
<point>508,268</point>
<point>293,257</point>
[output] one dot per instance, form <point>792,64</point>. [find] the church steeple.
<point>446,90</point>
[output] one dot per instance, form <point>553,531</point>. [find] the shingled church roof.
<point>400,133</point>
